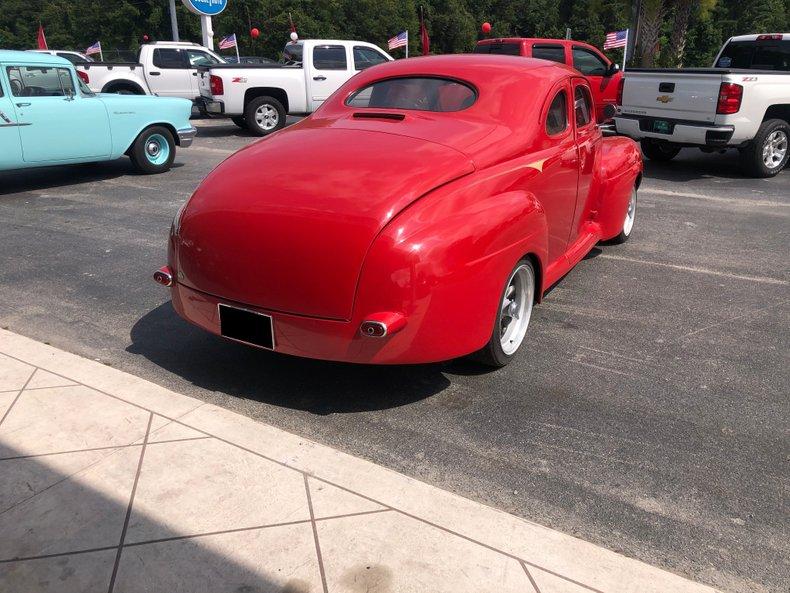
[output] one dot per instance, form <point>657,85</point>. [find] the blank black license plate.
<point>246,326</point>
<point>662,127</point>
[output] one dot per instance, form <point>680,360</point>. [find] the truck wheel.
<point>768,153</point>
<point>240,121</point>
<point>659,151</point>
<point>264,115</point>
<point>124,89</point>
<point>153,151</point>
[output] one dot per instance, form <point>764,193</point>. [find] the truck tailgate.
<point>672,94</point>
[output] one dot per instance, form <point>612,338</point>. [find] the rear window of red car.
<point>415,93</point>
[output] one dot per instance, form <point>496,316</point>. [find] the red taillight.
<point>620,91</point>
<point>730,96</point>
<point>83,76</point>
<point>769,38</point>
<point>217,88</point>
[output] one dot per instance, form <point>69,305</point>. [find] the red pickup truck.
<point>604,75</point>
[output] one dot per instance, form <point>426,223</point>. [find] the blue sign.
<point>206,7</point>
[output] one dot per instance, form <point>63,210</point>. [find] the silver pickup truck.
<point>742,101</point>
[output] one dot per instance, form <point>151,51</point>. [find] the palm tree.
<point>651,17</point>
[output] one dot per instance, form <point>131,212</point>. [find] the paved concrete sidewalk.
<point>111,483</point>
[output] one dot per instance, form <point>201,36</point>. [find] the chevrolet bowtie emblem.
<point>664,98</point>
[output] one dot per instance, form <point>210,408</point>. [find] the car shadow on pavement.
<point>315,386</point>
<point>692,164</point>
<point>23,180</point>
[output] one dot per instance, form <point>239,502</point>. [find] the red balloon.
<point>254,33</point>
<point>486,28</point>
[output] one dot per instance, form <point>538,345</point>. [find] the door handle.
<point>156,73</point>
<point>23,104</point>
<point>319,77</point>
<point>194,74</point>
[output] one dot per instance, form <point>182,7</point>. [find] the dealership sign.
<point>206,7</point>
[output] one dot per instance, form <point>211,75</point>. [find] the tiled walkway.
<point>111,483</point>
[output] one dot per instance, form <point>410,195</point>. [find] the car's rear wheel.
<point>659,151</point>
<point>628,221</point>
<point>768,153</point>
<point>512,318</point>
<point>153,151</point>
<point>240,121</point>
<point>264,115</point>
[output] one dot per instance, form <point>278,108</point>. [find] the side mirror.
<point>69,94</point>
<point>613,69</point>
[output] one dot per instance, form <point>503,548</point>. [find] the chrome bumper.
<point>185,137</point>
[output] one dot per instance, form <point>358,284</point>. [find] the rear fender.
<point>620,168</point>
<point>443,263</point>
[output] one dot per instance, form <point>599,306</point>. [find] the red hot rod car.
<point>415,217</point>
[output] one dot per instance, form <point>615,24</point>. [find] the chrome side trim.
<point>185,137</point>
<point>14,125</point>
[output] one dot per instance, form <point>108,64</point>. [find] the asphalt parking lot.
<point>649,413</point>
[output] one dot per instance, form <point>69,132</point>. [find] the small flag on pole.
<point>228,42</point>
<point>616,39</point>
<point>94,49</point>
<point>400,40</point>
<point>42,39</point>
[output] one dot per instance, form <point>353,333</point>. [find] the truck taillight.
<point>620,86</point>
<point>730,96</point>
<point>217,88</point>
<point>83,76</point>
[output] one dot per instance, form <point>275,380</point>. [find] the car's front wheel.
<point>628,221</point>
<point>659,151</point>
<point>768,153</point>
<point>153,151</point>
<point>512,318</point>
<point>264,115</point>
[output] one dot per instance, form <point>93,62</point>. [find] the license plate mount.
<point>248,327</point>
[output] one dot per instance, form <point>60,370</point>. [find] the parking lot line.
<point>734,201</point>
<point>709,272</point>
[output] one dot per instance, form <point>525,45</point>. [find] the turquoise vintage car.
<point>48,116</point>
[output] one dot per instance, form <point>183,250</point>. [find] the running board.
<point>587,239</point>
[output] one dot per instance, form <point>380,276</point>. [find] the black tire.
<point>627,229</point>
<point>492,354</point>
<point>240,121</point>
<point>125,89</point>
<point>143,158</point>
<point>251,111</point>
<point>659,151</point>
<point>752,155</point>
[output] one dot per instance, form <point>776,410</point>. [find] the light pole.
<point>173,20</point>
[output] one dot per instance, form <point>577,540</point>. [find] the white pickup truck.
<point>742,102</point>
<point>258,97</point>
<point>164,68</point>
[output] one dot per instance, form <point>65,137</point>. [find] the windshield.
<point>418,93</point>
<point>756,55</point>
<point>506,49</point>
<point>292,54</point>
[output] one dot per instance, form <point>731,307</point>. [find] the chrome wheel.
<point>775,149</point>
<point>516,309</point>
<point>266,117</point>
<point>630,214</point>
<point>157,149</point>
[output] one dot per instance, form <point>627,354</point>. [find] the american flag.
<point>228,42</point>
<point>94,49</point>
<point>400,40</point>
<point>616,39</point>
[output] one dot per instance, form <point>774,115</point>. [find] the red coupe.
<point>415,217</point>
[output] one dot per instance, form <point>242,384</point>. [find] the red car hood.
<point>285,223</point>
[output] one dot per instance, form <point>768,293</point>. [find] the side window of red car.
<point>557,117</point>
<point>582,106</point>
